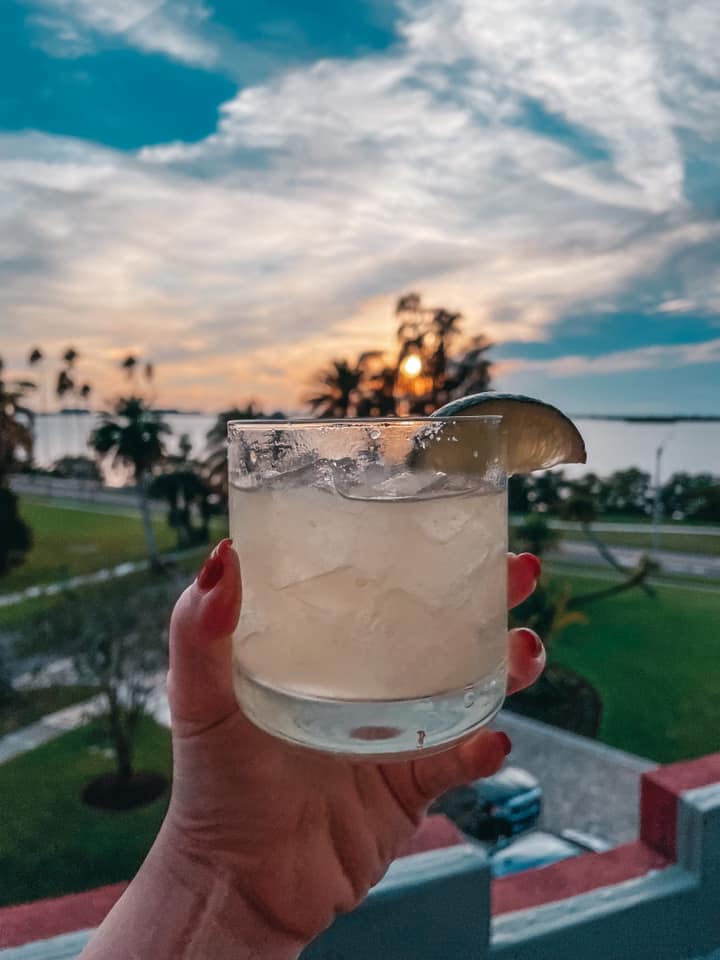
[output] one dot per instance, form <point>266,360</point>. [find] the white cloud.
<point>330,189</point>
<point>661,356</point>
<point>72,27</point>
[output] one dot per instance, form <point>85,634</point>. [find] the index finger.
<point>523,572</point>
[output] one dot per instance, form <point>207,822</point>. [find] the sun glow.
<point>411,365</point>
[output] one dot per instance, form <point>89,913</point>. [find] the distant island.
<point>650,418</point>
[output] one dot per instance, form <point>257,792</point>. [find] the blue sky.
<point>240,191</point>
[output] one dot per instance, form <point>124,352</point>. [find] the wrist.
<point>218,915</point>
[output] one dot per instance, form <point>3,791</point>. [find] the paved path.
<point>55,724</point>
<point>49,589</point>
<point>586,785</point>
<point>51,726</point>
<point>696,564</point>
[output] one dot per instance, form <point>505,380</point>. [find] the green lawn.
<point>656,664</point>
<point>50,842</point>
<point>70,541</point>
<point>29,705</point>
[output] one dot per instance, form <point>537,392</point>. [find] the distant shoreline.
<point>649,418</point>
<point>617,417</point>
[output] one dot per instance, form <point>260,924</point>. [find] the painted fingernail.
<point>532,641</point>
<point>533,563</point>
<point>213,567</point>
<point>505,742</point>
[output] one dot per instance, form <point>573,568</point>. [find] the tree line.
<point>628,494</point>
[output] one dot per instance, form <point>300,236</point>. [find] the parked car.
<point>540,848</point>
<point>499,806</point>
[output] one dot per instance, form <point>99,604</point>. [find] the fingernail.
<point>505,742</point>
<point>213,567</point>
<point>532,641</point>
<point>533,563</point>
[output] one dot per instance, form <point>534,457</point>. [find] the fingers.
<point>526,659</point>
<point>200,680</point>
<point>523,572</point>
<point>480,756</point>
<point>416,783</point>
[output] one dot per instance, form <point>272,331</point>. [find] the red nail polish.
<point>533,642</point>
<point>211,572</point>
<point>533,563</point>
<point>505,742</point>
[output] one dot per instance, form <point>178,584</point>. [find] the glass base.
<point>372,729</point>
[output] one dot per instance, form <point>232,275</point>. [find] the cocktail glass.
<point>374,580</point>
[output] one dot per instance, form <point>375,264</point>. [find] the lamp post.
<point>657,502</point>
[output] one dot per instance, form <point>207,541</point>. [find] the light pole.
<point>657,502</point>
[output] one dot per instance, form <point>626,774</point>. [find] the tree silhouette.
<point>133,435</point>
<point>427,371</point>
<point>338,390</point>
<point>16,437</point>
<point>215,463</point>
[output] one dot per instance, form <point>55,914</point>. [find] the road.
<point>586,785</point>
<point>613,527</point>
<point>696,564</point>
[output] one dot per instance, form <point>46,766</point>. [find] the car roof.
<point>508,782</point>
<point>533,849</point>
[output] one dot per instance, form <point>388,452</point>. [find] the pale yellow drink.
<point>370,600</point>
<point>370,624</point>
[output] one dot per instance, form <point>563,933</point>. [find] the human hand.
<point>293,835</point>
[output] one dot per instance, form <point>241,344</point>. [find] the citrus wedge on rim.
<point>538,435</point>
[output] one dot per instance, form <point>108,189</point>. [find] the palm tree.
<point>187,495</point>
<point>216,443</point>
<point>133,434</point>
<point>16,434</point>
<point>340,387</point>
<point>128,365</point>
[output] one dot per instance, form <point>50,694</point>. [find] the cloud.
<point>660,357</point>
<point>74,27</point>
<point>284,237</point>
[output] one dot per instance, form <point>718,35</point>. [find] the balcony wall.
<point>655,899</point>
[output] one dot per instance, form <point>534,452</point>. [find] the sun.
<point>411,365</point>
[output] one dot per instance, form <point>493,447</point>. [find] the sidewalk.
<point>69,718</point>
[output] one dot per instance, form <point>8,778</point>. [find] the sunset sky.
<point>240,191</point>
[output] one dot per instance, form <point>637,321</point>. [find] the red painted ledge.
<point>659,795</point>
<point>51,918</point>
<point>568,878</point>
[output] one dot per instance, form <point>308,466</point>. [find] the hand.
<point>295,835</point>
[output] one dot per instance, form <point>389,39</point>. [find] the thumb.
<point>200,687</point>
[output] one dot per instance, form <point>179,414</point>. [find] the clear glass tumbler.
<point>374,580</point>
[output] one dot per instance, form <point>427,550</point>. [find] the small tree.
<point>133,435</point>
<point>117,641</point>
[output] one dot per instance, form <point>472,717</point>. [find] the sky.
<point>239,192</point>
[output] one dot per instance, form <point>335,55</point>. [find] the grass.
<point>29,705</point>
<point>70,541</point>
<point>50,842</point>
<point>656,664</point>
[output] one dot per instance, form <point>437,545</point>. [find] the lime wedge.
<point>538,435</point>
